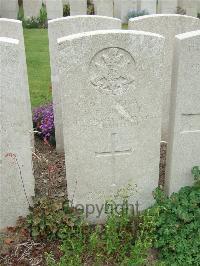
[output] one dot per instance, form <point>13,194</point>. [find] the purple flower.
<point>43,119</point>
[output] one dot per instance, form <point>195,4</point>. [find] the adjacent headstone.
<point>54,9</point>
<point>78,7</point>
<point>64,27</point>
<point>11,28</point>
<point>168,6</point>
<point>117,9</point>
<point>191,8</point>
<point>111,95</point>
<point>198,7</point>
<point>184,141</point>
<point>104,8</point>
<point>168,26</point>
<point>32,8</point>
<point>148,5</point>
<point>126,7</point>
<point>9,9</point>
<point>16,178</point>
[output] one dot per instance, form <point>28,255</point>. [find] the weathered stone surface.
<point>191,8</point>
<point>78,7</point>
<point>168,6</point>
<point>16,179</point>
<point>64,27</point>
<point>9,9</point>
<point>54,9</point>
<point>65,2</point>
<point>148,5</point>
<point>104,7</point>
<point>168,26</point>
<point>111,94</point>
<point>198,6</point>
<point>11,28</point>
<point>184,140</point>
<point>117,9</point>
<point>32,8</point>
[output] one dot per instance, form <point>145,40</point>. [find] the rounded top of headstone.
<point>107,32</point>
<point>80,17</point>
<point>157,16</point>
<point>8,20</point>
<point>186,35</point>
<point>8,40</point>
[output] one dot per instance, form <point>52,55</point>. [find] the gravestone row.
<point>116,8</point>
<point>109,87</point>
<point>64,27</point>
<point>167,26</point>
<point>184,138</point>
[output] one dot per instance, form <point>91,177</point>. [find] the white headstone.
<point>126,7</point>
<point>168,26</point>
<point>111,94</point>
<point>198,6</point>
<point>117,9</point>
<point>104,8</point>
<point>16,178</point>
<point>78,7</point>
<point>11,28</point>
<point>148,5</point>
<point>191,8</point>
<point>184,140</point>
<point>32,8</point>
<point>168,6</point>
<point>64,27</point>
<point>54,9</point>
<point>9,9</point>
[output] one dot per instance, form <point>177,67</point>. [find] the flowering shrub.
<point>136,13</point>
<point>43,122</point>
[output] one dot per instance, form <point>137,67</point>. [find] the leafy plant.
<point>116,243</point>
<point>180,11</point>
<point>43,122</point>
<point>20,15</point>
<point>137,13</point>
<point>90,8</point>
<point>66,10</point>
<point>170,228</point>
<point>50,261</point>
<point>196,173</point>
<point>177,226</point>
<point>34,22</point>
<point>43,17</point>
<point>53,219</point>
<point>30,23</point>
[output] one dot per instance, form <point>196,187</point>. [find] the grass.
<point>38,63</point>
<point>37,56</point>
<point>125,26</point>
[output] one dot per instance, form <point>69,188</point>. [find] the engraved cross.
<point>113,153</point>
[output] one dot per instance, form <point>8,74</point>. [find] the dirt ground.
<point>50,173</point>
